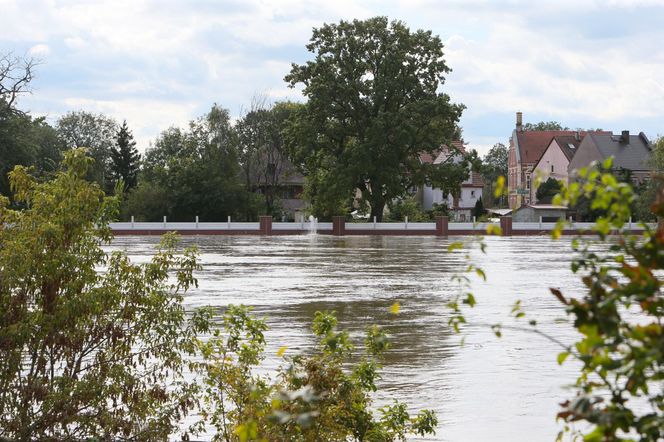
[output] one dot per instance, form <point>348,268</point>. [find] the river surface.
<point>482,388</point>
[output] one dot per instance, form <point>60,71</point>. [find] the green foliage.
<point>27,141</point>
<point>544,125</point>
<point>262,151</point>
<point>96,133</point>
<point>125,158</point>
<point>198,173</point>
<point>86,354</point>
<point>548,189</point>
<point>319,396</point>
<point>408,207</point>
<point>478,211</point>
<point>621,358</point>
<point>373,105</point>
<point>494,165</point>
<point>620,349</point>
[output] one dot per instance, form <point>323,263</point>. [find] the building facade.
<point>526,149</point>
<point>460,206</point>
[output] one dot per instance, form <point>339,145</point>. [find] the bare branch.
<point>16,73</point>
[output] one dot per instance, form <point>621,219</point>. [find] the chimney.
<point>519,120</point>
<point>577,136</point>
<point>625,137</point>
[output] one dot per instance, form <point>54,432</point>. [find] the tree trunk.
<point>377,208</point>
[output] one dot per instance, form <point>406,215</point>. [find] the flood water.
<point>483,389</point>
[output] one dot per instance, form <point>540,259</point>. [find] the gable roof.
<point>631,156</point>
<point>569,144</point>
<point>439,155</point>
<point>531,144</point>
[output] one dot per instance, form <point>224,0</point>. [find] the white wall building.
<point>461,206</point>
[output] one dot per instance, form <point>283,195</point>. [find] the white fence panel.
<point>460,226</point>
<point>527,226</point>
<point>421,226</point>
<point>291,226</point>
<point>359,226</point>
<point>323,226</point>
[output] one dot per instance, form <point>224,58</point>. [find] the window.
<point>472,193</point>
<point>528,182</point>
<point>552,168</point>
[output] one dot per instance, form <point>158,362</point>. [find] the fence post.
<point>442,225</point>
<point>406,222</point>
<point>301,222</point>
<point>474,219</point>
<point>506,225</point>
<point>196,222</point>
<point>630,223</point>
<point>338,225</point>
<point>374,222</point>
<point>132,222</point>
<point>228,223</point>
<point>164,222</point>
<point>540,223</point>
<point>265,225</point>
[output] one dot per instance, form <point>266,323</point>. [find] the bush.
<point>86,354</point>
<point>408,207</point>
<point>321,396</point>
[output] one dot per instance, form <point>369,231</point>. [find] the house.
<point>461,205</point>
<point>629,152</point>
<point>526,149</point>
<point>555,160</point>
<point>278,179</point>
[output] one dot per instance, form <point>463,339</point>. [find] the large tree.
<point>125,158</point>
<point>96,133</point>
<point>374,104</point>
<point>24,140</point>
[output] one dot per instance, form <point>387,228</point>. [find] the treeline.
<point>210,169</point>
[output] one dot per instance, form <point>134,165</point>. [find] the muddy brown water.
<point>483,389</point>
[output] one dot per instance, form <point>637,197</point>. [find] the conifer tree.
<point>125,158</point>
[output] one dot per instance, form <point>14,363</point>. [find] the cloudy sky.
<point>159,63</point>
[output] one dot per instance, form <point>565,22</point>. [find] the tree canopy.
<point>544,125</point>
<point>86,354</point>
<point>96,133</point>
<point>193,172</point>
<point>548,189</point>
<point>373,105</point>
<point>494,165</point>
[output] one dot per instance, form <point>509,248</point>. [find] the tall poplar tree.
<point>125,158</point>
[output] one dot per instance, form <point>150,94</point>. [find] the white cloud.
<point>40,50</point>
<point>165,61</point>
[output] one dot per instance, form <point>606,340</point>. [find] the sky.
<point>161,63</point>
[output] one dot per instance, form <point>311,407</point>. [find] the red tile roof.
<point>532,144</point>
<point>475,180</point>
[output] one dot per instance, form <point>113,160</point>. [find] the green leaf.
<point>561,357</point>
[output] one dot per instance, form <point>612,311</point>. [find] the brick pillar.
<point>442,225</point>
<point>265,225</point>
<point>338,225</point>
<point>506,225</point>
